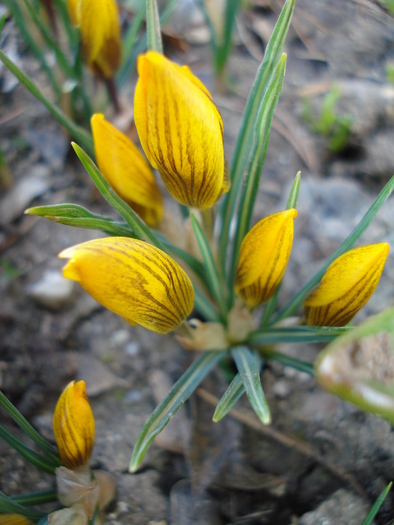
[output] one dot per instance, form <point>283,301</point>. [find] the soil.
<point>322,461</point>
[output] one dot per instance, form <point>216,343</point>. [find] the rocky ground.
<point>322,460</point>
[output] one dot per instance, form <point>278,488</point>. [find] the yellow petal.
<point>181,130</point>
<point>263,257</point>
<point>74,11</point>
<point>347,285</point>
<point>134,280</point>
<point>127,171</point>
<point>73,425</point>
<point>100,36</point>
<point>14,519</point>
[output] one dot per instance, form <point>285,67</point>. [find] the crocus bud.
<point>132,279</point>
<point>73,425</point>
<point>126,170</point>
<point>98,22</point>
<point>263,257</point>
<point>347,285</point>
<point>14,519</point>
<point>181,131</point>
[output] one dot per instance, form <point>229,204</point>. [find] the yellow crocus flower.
<point>73,425</point>
<point>263,257</point>
<point>347,285</point>
<point>98,22</point>
<point>181,131</point>
<point>127,171</point>
<point>133,279</point>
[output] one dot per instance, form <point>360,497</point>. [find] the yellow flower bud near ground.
<point>98,22</point>
<point>132,279</point>
<point>73,425</point>
<point>347,285</point>
<point>181,131</point>
<point>126,170</point>
<point>263,257</point>
<point>14,519</point>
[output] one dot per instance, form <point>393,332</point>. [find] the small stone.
<point>281,388</point>
<point>52,292</point>
<point>132,348</point>
<point>133,396</point>
<point>120,337</point>
<point>342,508</point>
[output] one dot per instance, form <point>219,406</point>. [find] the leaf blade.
<point>234,391</point>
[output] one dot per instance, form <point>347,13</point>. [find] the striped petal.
<point>127,171</point>
<point>73,425</point>
<point>134,280</point>
<point>181,131</point>
<point>347,285</point>
<point>100,36</point>
<point>263,257</point>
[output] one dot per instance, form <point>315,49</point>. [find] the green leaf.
<point>230,397</point>
<point>293,305</point>
<point>75,131</point>
<point>249,365</point>
<point>24,27</point>
<point>296,334</point>
<point>2,22</point>
<point>175,398</point>
<point>229,23</point>
<point>292,202</point>
<point>39,461</point>
<point>213,278</point>
<point>359,365</point>
<point>140,47</point>
<point>22,422</point>
<point>153,29</point>
<point>138,226</point>
<point>302,366</point>
<point>44,521</point>
<point>257,155</point>
<point>79,217</point>
<point>204,306</point>
<point>40,497</point>
<point>9,506</point>
<point>244,139</point>
<point>376,506</point>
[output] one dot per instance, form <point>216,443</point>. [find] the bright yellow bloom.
<point>73,425</point>
<point>14,519</point>
<point>181,131</point>
<point>98,21</point>
<point>127,171</point>
<point>263,257</point>
<point>347,285</point>
<point>132,279</point>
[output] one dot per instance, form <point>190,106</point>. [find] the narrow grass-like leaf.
<point>296,334</point>
<point>209,263</point>
<point>2,22</point>
<point>36,459</point>
<point>244,139</point>
<point>61,58</point>
<point>75,131</point>
<point>131,36</point>
<point>7,505</point>
<point>291,203</point>
<point>22,422</point>
<point>224,48</point>
<point>153,29</point>
<point>141,230</point>
<point>249,365</point>
<point>376,506</point>
<point>140,47</point>
<point>175,398</point>
<point>43,521</point>
<point>39,497</point>
<point>69,215</point>
<point>230,397</point>
<point>302,366</point>
<point>293,305</point>
<point>23,26</point>
<point>212,32</point>
<point>204,306</point>
<point>257,156</point>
